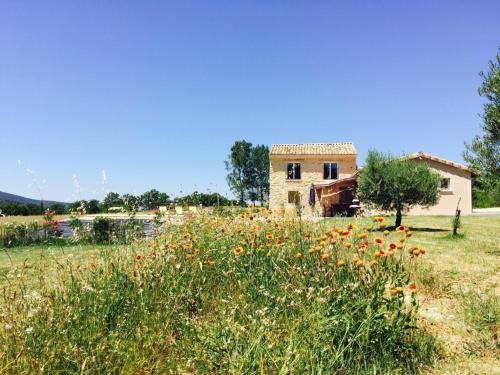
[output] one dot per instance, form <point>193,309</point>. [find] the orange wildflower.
<point>238,250</point>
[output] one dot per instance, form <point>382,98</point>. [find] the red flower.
<point>392,246</point>
<point>138,258</point>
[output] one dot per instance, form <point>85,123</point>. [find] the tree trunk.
<point>398,217</point>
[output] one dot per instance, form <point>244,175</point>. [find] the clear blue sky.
<point>155,93</point>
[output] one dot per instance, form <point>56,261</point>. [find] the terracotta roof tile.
<point>343,148</point>
<point>423,155</point>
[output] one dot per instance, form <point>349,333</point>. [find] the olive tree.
<point>395,184</point>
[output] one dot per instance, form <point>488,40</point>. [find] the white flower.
<point>178,265</point>
<point>29,330</point>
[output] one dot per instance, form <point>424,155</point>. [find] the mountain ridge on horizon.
<point>13,198</point>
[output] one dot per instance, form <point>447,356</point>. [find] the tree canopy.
<point>248,172</point>
<point>483,153</point>
<point>397,184</point>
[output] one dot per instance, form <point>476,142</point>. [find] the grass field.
<point>458,283</point>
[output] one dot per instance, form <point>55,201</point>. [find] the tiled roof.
<point>423,155</point>
<point>344,148</point>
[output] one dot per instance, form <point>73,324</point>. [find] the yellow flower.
<point>359,263</point>
<point>373,263</point>
<point>399,246</point>
<point>402,239</point>
<point>269,236</point>
<point>325,256</point>
<point>348,245</point>
<point>298,255</point>
<point>362,235</point>
<point>386,232</point>
<point>238,250</point>
<point>390,253</point>
<point>268,254</point>
<point>409,233</point>
<point>340,263</point>
<point>368,227</point>
<point>379,241</point>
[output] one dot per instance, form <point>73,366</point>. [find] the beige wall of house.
<point>460,187</point>
<point>311,173</point>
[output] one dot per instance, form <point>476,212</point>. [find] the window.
<point>293,171</point>
<point>445,184</point>
<point>293,197</point>
<point>330,171</point>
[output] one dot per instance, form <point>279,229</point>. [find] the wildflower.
<point>377,254</point>
<point>373,263</point>
<point>210,261</point>
<point>378,219</point>
<point>325,256</point>
<point>401,228</point>
<point>298,255</point>
<point>362,235</point>
<point>359,263</point>
<point>344,234</point>
<point>138,258</point>
<point>379,241</point>
<point>402,239</point>
<point>187,246</point>
<point>409,233</point>
<point>269,236</point>
<point>381,225</point>
<point>348,245</point>
<point>238,250</point>
<point>392,246</point>
<point>268,253</point>
<point>279,242</point>
<point>412,287</point>
<point>261,248</point>
<point>368,228</point>
<point>307,235</point>
<point>189,256</point>
<point>399,246</point>
<point>390,253</point>
<point>386,232</point>
<point>340,263</point>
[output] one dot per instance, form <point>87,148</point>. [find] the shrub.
<point>101,233</point>
<point>229,295</point>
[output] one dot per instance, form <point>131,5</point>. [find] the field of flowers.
<point>240,294</point>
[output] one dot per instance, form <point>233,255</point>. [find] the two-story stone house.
<point>319,178</point>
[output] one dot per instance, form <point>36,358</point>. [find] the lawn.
<point>458,285</point>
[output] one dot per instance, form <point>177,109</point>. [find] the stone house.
<point>325,172</point>
<point>320,179</point>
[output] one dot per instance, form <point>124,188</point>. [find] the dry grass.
<point>27,219</point>
<point>460,282</point>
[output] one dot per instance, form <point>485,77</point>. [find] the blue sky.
<point>127,96</point>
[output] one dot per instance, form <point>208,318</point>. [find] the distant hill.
<point>7,197</point>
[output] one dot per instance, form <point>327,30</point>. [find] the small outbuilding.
<point>456,186</point>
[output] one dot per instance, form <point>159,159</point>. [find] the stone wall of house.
<point>460,189</point>
<point>311,173</point>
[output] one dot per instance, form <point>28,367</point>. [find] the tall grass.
<point>226,295</point>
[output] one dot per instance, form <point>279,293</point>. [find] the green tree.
<point>59,208</point>
<point>131,202</point>
<point>260,164</point>
<point>111,200</point>
<point>483,154</point>
<point>240,177</point>
<point>397,184</point>
<point>153,199</point>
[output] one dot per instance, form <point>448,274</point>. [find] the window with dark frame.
<point>445,184</point>
<point>293,171</point>
<point>330,171</point>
